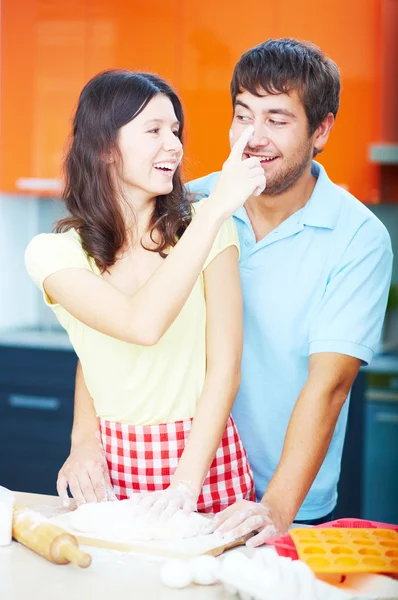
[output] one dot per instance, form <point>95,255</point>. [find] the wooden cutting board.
<point>154,550</point>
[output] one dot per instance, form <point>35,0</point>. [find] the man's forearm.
<point>310,431</point>
<point>307,441</point>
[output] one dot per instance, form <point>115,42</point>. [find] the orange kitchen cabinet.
<point>43,57</point>
<point>215,34</point>
<point>49,49</point>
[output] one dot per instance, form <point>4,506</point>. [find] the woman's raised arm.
<point>144,317</point>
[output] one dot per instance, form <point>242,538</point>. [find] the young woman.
<point>146,284</point>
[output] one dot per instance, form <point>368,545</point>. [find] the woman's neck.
<point>137,210</point>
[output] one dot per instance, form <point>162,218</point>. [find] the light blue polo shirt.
<point>317,283</point>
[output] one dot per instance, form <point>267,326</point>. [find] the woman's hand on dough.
<point>163,504</point>
<point>245,517</point>
<point>86,473</point>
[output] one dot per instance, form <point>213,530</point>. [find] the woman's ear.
<point>108,157</point>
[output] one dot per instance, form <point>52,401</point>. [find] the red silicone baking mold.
<point>284,544</point>
<point>348,550</point>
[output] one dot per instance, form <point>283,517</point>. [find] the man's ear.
<point>321,134</point>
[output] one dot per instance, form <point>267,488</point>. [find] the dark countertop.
<point>36,338</point>
<point>383,363</point>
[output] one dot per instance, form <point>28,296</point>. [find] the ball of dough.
<point>175,574</point>
<point>204,570</point>
<point>121,521</point>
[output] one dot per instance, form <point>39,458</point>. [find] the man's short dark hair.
<point>283,65</point>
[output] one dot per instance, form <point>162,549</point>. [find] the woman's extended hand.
<point>86,473</point>
<point>163,504</point>
<point>239,178</point>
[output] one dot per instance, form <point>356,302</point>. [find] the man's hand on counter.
<point>86,473</point>
<point>245,517</point>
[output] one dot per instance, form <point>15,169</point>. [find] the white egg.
<point>235,561</point>
<point>204,569</point>
<point>175,574</point>
<point>245,596</point>
<point>230,589</point>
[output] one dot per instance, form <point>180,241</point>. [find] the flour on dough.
<point>119,521</point>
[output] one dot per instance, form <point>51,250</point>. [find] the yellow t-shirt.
<point>140,385</point>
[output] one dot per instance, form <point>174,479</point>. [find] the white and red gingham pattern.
<point>144,458</point>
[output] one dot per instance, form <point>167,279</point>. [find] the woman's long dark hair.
<point>108,102</point>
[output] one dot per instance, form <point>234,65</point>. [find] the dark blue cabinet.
<point>368,486</point>
<point>36,412</point>
<point>380,502</point>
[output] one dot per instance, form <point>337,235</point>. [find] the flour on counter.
<point>121,521</point>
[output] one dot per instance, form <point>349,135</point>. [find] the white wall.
<point>388,214</point>
<point>21,218</point>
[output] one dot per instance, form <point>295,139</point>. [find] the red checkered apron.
<point>144,457</point>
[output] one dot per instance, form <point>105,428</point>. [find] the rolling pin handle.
<point>75,555</point>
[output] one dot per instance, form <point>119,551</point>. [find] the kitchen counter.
<point>25,574</point>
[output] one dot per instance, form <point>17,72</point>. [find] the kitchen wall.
<point>22,217</point>
<point>57,46</point>
<point>19,221</point>
<point>388,214</point>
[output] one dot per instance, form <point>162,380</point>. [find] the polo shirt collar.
<point>242,215</point>
<point>323,207</point>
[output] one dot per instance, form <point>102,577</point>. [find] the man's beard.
<point>287,177</point>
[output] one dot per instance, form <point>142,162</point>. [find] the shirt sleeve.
<point>49,253</point>
<point>202,187</point>
<point>227,236</point>
<point>351,313</point>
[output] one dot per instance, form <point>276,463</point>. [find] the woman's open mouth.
<point>166,168</point>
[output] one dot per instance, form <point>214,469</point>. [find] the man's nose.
<point>259,138</point>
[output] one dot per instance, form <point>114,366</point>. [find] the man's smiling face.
<point>281,136</point>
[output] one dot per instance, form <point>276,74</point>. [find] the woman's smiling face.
<point>151,149</point>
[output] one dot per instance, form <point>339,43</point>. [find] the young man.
<point>315,269</point>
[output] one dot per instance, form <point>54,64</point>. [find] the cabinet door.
<point>35,426</point>
<point>36,412</point>
<point>381,461</point>
<point>43,67</point>
<point>214,35</point>
<point>49,50</point>
<point>349,500</point>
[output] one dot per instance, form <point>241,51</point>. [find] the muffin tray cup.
<point>284,544</point>
<point>344,550</point>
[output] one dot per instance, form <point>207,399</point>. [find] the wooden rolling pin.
<point>56,545</point>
